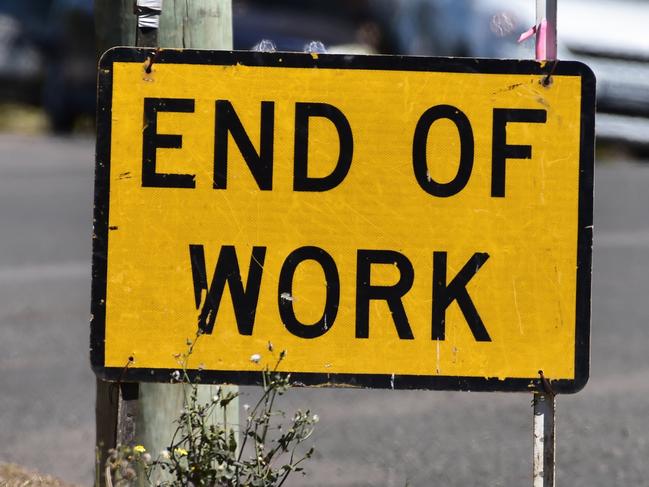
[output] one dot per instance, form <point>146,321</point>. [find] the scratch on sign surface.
<point>509,88</point>
<point>518,313</point>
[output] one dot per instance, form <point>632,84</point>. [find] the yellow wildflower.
<point>181,451</point>
<point>139,449</point>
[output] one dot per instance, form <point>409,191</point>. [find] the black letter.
<point>260,165</point>
<point>444,295</point>
<point>391,294</point>
<point>419,143</point>
<point>285,292</point>
<point>501,151</point>
<point>301,181</point>
<point>227,270</point>
<point>152,140</point>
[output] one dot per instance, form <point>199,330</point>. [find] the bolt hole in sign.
<point>390,222</point>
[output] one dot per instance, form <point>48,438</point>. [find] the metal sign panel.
<point>388,221</point>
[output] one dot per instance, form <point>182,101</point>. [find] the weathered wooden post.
<point>127,413</point>
<point>199,24</point>
<point>114,24</point>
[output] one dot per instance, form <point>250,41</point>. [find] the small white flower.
<point>246,407</point>
<point>255,358</point>
<point>316,418</point>
<point>147,458</point>
<point>165,454</point>
<point>175,375</point>
<point>215,398</point>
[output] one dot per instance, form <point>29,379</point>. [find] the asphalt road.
<point>383,438</point>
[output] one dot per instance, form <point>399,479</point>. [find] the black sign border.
<point>323,61</point>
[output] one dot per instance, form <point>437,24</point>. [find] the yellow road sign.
<point>388,221</point>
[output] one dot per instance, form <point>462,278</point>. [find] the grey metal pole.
<point>543,472</point>
<point>546,30</point>
<point>543,467</point>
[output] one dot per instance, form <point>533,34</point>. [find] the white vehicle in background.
<point>610,36</point>
<point>607,35</point>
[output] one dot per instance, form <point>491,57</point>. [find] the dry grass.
<point>23,119</point>
<point>15,476</point>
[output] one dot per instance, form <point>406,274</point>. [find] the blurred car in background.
<point>47,57</point>
<point>69,89</point>
<point>610,37</point>
<point>22,24</point>
<point>342,26</point>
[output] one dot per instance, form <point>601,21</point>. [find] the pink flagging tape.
<point>541,32</point>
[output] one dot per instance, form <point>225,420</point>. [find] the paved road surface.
<point>381,438</point>
<point>46,387</point>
